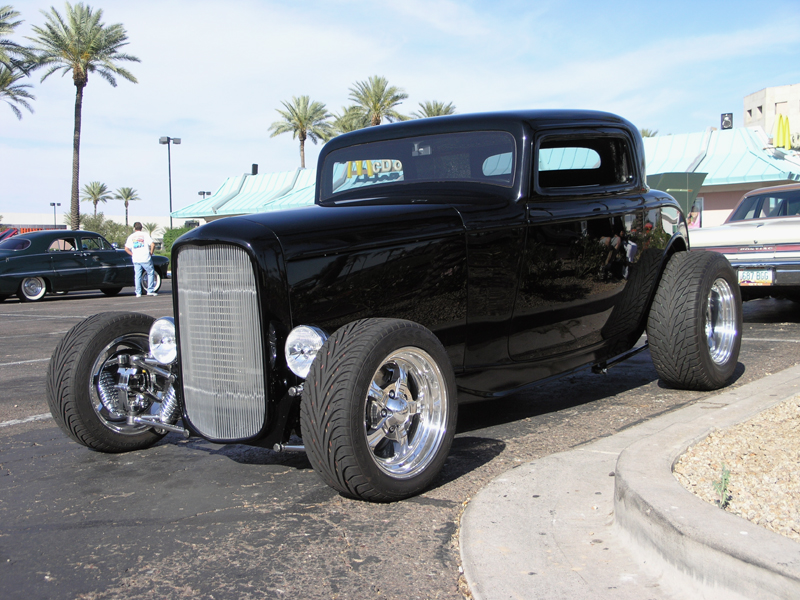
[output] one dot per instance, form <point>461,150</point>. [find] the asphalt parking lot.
<point>187,518</point>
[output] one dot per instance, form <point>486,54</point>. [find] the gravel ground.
<point>763,457</point>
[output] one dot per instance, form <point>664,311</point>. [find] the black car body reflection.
<point>40,262</point>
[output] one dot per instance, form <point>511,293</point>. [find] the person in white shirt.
<point>141,246</point>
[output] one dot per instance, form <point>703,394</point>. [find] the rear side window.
<point>14,243</point>
<point>574,164</point>
<point>476,156</point>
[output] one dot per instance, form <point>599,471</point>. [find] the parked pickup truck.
<point>445,260</point>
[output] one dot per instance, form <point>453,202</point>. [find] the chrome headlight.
<point>163,344</point>
<point>301,349</point>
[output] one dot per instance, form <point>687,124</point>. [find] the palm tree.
<point>96,192</point>
<point>304,120</point>
<point>10,52</point>
<point>13,93</point>
<point>151,228</point>
<point>434,108</point>
<point>649,132</point>
<point>80,45</point>
<point>351,119</point>
<point>127,195</point>
<point>377,100</point>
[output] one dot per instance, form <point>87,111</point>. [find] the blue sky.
<point>213,74</point>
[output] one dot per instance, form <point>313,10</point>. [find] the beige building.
<point>762,108</point>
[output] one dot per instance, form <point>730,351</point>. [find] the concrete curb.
<point>608,520</point>
<point>703,550</point>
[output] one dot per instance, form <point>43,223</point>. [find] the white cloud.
<point>213,74</point>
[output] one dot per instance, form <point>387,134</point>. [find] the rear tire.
<point>32,289</point>
<point>379,409</point>
<point>157,277</point>
<point>695,324</point>
<point>86,353</point>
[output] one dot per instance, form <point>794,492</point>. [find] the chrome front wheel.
<point>378,412</point>
<point>406,412</point>
<point>93,387</point>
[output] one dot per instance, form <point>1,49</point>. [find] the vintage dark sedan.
<point>445,260</point>
<point>33,264</point>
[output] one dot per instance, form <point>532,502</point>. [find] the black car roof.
<point>57,233</point>
<point>505,121</point>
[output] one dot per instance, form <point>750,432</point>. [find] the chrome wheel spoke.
<point>378,435</point>
<point>409,412</point>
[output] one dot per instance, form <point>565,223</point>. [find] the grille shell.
<point>221,342</point>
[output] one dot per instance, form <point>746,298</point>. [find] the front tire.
<point>695,324</point>
<point>379,409</point>
<point>80,363</point>
<point>32,289</point>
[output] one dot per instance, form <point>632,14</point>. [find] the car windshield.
<point>15,243</point>
<point>769,204</point>
<point>480,156</point>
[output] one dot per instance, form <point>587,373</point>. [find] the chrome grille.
<point>220,341</point>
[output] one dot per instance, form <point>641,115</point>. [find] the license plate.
<point>755,277</point>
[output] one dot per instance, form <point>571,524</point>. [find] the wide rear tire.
<point>695,324</point>
<point>379,409</point>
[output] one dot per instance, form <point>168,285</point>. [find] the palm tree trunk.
<point>126,212</point>
<point>74,207</point>
<point>302,153</point>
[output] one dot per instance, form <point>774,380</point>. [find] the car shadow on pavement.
<point>241,453</point>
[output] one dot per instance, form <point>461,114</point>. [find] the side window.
<point>94,243</point>
<point>578,164</point>
<point>62,245</point>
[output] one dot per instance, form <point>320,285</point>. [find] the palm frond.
<point>13,93</point>
<point>434,108</point>
<point>378,99</point>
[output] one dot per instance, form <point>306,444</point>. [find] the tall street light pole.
<point>169,141</point>
<point>54,204</point>
<point>204,194</point>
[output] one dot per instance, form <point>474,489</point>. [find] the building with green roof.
<point>709,170</point>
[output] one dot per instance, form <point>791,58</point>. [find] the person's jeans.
<point>138,269</point>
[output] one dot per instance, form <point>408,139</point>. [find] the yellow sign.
<point>357,168</point>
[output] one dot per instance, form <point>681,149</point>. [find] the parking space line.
<point>28,335</point>
<point>23,362</point>
<point>41,417</point>
<point>749,339</point>
<point>40,317</point>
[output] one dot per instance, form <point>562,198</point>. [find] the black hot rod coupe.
<point>445,260</point>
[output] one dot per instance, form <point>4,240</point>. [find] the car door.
<point>580,247</point>
<point>105,266</point>
<point>67,263</point>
